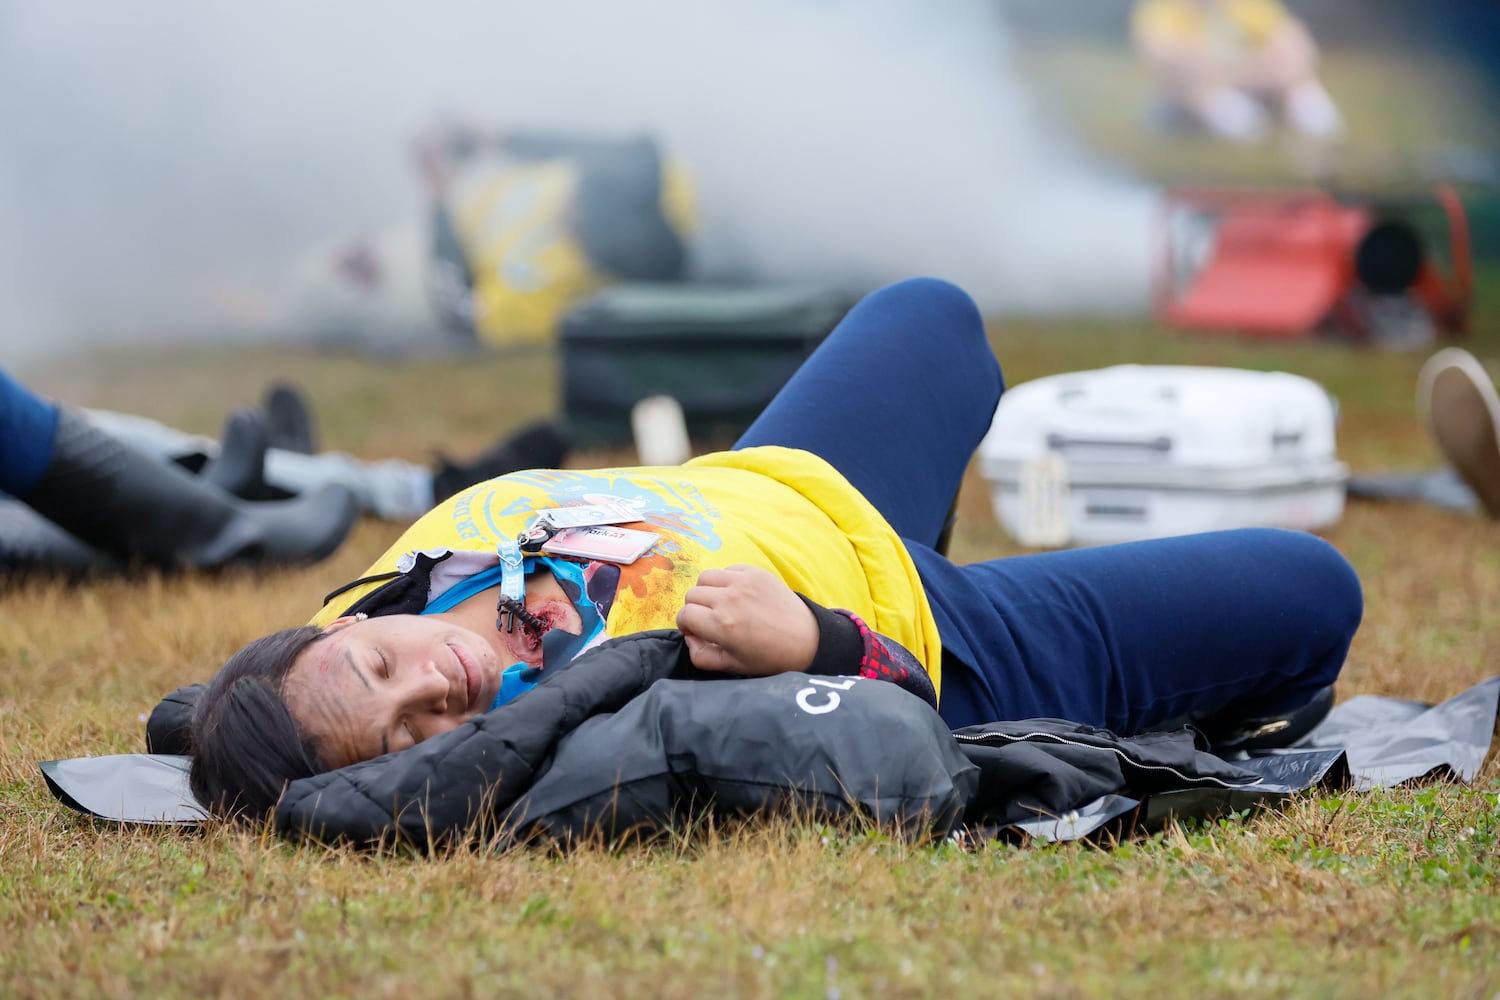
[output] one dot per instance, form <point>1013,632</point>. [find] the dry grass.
<point>1386,894</point>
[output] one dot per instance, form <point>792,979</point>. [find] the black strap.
<point>362,580</point>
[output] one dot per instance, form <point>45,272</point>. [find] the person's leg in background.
<point>155,438</point>
<point>144,511</point>
<point>1283,74</point>
<point>897,398</point>
<point>28,427</point>
<point>391,488</point>
<point>1197,91</point>
<point>1243,623</point>
<point>398,490</point>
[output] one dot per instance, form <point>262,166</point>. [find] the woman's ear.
<point>339,624</point>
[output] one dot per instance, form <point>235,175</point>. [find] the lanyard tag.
<point>603,542</point>
<point>512,570</point>
<point>534,536</point>
<point>584,515</point>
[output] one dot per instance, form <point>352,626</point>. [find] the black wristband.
<point>840,646</point>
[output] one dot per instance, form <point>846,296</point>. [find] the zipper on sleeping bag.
<point>1053,737</point>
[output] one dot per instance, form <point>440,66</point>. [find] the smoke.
<point>166,162</point>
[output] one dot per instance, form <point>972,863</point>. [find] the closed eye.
<point>389,743</point>
<point>385,664</point>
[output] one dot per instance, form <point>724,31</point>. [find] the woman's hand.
<point>744,620</point>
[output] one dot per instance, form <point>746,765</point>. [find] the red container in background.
<point>1296,263</point>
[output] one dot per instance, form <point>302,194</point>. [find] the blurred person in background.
<point>120,490</point>
<point>1235,69</point>
<point>518,226</point>
<point>525,222</point>
<point>269,452</point>
<point>99,502</point>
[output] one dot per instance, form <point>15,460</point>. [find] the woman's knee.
<point>934,297</point>
<point>931,294</point>
<point>944,313</point>
<point>1315,575</point>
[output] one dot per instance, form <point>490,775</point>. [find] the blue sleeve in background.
<point>28,426</point>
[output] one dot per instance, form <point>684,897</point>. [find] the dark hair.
<point>246,745</point>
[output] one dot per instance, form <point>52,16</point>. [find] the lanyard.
<point>512,570</point>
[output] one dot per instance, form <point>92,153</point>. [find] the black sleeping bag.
<point>819,746</point>
<point>631,738</point>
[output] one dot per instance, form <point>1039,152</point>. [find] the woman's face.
<point>370,687</point>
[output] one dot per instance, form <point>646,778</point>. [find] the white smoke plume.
<point>165,161</point>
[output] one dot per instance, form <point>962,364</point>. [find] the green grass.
<point>1389,893</point>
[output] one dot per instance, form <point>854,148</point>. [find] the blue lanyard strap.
<point>512,570</point>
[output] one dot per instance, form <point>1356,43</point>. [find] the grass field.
<point>1386,894</point>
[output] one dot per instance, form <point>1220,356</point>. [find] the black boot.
<point>1230,732</point>
<point>152,513</point>
<point>28,541</point>
<point>539,446</point>
<point>240,465</point>
<point>289,422</point>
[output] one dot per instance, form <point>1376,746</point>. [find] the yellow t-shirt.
<point>1252,23</point>
<point>782,509</point>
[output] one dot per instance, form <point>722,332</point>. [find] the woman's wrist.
<point>840,645</point>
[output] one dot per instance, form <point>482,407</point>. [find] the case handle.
<point>1058,442</point>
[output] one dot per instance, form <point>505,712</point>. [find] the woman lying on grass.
<point>836,497</point>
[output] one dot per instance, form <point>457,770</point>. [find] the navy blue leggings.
<point>1127,636</point>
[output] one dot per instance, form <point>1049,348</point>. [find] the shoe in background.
<point>1458,401</point>
<point>541,445</point>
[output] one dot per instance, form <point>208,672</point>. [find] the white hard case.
<point>1140,451</point>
